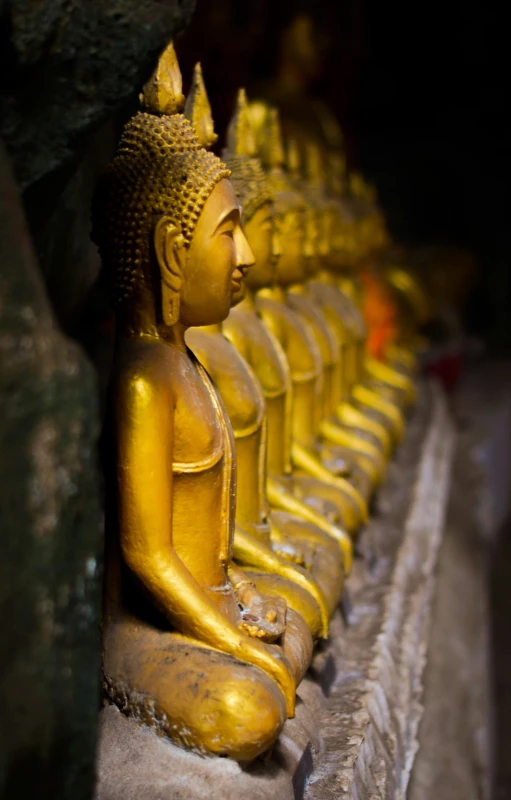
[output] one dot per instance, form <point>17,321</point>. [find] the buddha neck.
<point>325,276</point>
<point>276,292</point>
<point>247,303</point>
<point>141,318</point>
<point>215,328</point>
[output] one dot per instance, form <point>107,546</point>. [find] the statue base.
<point>135,763</point>
<point>360,740</point>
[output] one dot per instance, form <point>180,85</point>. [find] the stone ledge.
<point>134,763</point>
<point>362,738</point>
<point>370,723</point>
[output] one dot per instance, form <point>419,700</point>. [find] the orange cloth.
<point>379,314</point>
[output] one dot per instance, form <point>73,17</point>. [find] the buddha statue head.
<point>312,230</point>
<point>373,234</point>
<point>343,221</point>
<point>247,179</point>
<point>309,175</point>
<point>255,196</point>
<point>289,206</point>
<point>166,218</point>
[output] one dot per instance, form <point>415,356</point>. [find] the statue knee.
<point>301,531</point>
<point>297,644</point>
<point>204,699</point>
<point>253,715</point>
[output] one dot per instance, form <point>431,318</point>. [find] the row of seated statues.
<point>249,423</point>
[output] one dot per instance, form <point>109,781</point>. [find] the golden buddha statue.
<point>413,307</point>
<point>360,450</point>
<point>191,647</point>
<point>375,299</point>
<point>360,432</point>
<point>309,454</point>
<point>361,409</point>
<point>303,496</point>
<point>357,236</point>
<point>262,540</point>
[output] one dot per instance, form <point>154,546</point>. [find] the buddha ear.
<point>169,249</point>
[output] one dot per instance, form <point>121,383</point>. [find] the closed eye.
<point>228,224</point>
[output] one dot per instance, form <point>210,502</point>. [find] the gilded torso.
<point>244,402</point>
<point>262,350</point>
<point>296,337</point>
<point>200,451</point>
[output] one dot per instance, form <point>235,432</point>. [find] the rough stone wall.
<point>66,65</point>
<point>50,538</point>
<point>70,71</point>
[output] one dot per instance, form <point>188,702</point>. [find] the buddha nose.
<point>276,245</point>
<point>244,254</point>
<point>308,247</point>
<point>324,246</point>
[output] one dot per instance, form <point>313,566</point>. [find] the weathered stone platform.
<point>360,741</point>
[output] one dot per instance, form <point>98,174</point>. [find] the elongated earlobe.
<point>169,306</point>
<point>168,242</point>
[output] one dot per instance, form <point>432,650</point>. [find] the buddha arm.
<point>249,551</point>
<point>285,501</point>
<point>372,399</point>
<point>349,415</point>
<point>308,463</point>
<point>145,446</point>
<point>386,374</point>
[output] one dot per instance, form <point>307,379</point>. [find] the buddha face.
<point>264,243</point>
<point>342,241</point>
<point>323,242</point>
<point>213,267</point>
<point>311,246</point>
<point>291,230</point>
<point>325,235</point>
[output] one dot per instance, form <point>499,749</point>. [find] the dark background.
<point>420,90</point>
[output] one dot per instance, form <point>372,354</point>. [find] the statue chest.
<point>324,335</point>
<point>199,438</point>
<point>334,309</point>
<point>238,386</point>
<point>204,477</point>
<point>296,337</point>
<point>262,350</point>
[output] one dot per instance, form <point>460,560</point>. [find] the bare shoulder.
<point>236,328</point>
<point>142,372</point>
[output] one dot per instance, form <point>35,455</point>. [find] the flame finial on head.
<point>270,149</point>
<point>359,187</point>
<point>247,176</point>
<point>314,166</point>
<point>240,134</point>
<point>273,153</point>
<point>163,93</point>
<point>266,124</point>
<point>198,110</point>
<point>294,159</point>
<point>258,113</point>
<point>337,172</point>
